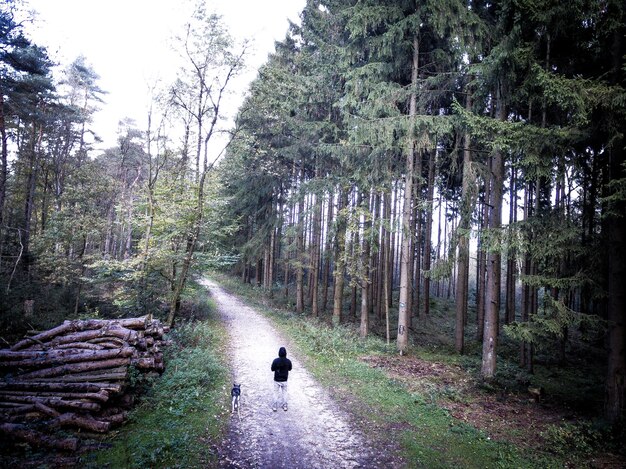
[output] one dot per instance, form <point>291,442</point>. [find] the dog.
<point>235,396</point>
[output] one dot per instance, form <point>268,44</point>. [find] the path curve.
<point>313,433</point>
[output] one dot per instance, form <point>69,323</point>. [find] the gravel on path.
<point>313,433</point>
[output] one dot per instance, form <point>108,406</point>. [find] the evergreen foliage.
<point>528,90</point>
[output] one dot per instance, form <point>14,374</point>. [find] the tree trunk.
<point>492,310</point>
<point>462,278</point>
<point>481,265</point>
<point>354,294</point>
<point>418,268</point>
<point>340,254</point>
<point>525,293</point>
<point>327,252</point>
<point>192,238</point>
<point>615,401</point>
<point>315,256</point>
<point>271,262</point>
<point>392,246</point>
<point>384,255</point>
<point>31,184</point>
<point>428,226</point>
<point>300,254</point>
<point>406,261</point>
<point>129,218</point>
<point>511,258</point>
<point>374,267</point>
<point>4,163</point>
<point>438,256</point>
<point>451,290</point>
<point>366,266</point>
<point>292,215</point>
<point>414,248</point>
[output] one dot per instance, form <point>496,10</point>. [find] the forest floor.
<point>315,432</point>
<point>522,420</point>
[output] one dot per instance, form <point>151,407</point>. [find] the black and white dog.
<point>235,395</point>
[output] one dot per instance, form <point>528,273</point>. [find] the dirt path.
<point>313,433</point>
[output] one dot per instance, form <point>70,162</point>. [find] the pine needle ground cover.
<point>428,406</point>
<point>184,412</point>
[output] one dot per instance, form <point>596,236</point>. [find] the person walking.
<point>281,367</point>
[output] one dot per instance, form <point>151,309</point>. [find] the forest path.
<point>313,433</point>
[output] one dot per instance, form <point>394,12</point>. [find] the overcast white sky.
<point>127,43</point>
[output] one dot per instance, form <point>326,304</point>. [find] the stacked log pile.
<point>75,376</point>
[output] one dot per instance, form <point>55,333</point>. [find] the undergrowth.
<point>429,436</point>
<point>183,412</point>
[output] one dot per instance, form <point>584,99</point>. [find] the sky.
<point>127,44</point>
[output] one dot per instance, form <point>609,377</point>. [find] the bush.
<point>580,438</point>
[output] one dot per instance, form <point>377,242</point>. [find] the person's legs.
<point>280,395</point>
<point>277,396</point>
<point>284,395</point>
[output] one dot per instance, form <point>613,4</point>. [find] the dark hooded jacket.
<point>281,366</point>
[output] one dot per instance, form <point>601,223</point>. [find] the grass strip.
<point>183,412</point>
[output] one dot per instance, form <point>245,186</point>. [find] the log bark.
<point>128,335</point>
<point>15,408</point>
<point>46,410</point>
<point>112,388</point>
<point>144,363</point>
<point>80,345</point>
<point>115,418</point>
<point>105,375</point>
<point>35,438</point>
<point>70,386</point>
<point>54,402</point>
<point>77,326</point>
<point>101,396</point>
<point>76,368</point>
<point>43,386</point>
<point>57,357</point>
<point>108,342</point>
<point>85,423</point>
